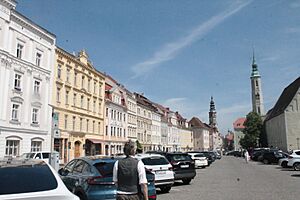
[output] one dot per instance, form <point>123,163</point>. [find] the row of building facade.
<point>54,100</point>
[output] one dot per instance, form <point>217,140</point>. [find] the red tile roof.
<point>239,123</point>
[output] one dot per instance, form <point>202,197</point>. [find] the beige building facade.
<point>78,105</point>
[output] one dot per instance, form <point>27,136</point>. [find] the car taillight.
<point>152,197</point>
<point>290,157</point>
<point>98,180</point>
<point>170,168</point>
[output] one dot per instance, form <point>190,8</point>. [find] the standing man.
<point>129,176</point>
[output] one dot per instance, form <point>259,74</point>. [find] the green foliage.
<point>253,131</point>
<point>139,147</point>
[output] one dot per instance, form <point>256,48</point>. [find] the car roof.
<point>148,155</point>
<point>97,159</point>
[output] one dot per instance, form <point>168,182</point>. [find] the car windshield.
<point>155,161</point>
<point>26,178</point>
<point>27,155</point>
<point>199,155</point>
<point>180,157</point>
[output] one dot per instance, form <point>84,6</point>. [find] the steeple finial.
<point>253,58</point>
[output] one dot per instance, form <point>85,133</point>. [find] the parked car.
<point>42,155</point>
<point>183,166</point>
<point>31,179</point>
<point>90,178</point>
<point>160,166</point>
<point>234,153</point>
<point>294,160</point>
<point>200,159</point>
<point>283,162</point>
<point>273,157</point>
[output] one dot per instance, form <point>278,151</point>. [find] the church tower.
<point>212,114</point>
<point>257,96</point>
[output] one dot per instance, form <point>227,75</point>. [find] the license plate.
<point>160,172</point>
<point>184,166</point>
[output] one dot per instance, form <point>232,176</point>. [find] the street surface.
<point>232,179</point>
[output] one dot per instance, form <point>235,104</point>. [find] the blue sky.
<point>179,53</point>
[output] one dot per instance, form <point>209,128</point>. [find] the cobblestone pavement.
<point>232,179</point>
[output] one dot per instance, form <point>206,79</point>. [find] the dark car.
<point>91,178</point>
<point>183,166</point>
<point>273,157</point>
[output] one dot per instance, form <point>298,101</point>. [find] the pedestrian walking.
<point>129,176</point>
<point>247,157</point>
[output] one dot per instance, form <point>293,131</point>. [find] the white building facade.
<point>27,54</point>
<point>156,131</point>
<point>132,116</point>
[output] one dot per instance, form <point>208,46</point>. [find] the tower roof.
<point>212,104</point>
<point>255,72</point>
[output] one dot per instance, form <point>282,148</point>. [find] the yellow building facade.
<point>78,106</point>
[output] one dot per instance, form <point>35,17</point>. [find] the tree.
<point>253,131</point>
<point>139,147</point>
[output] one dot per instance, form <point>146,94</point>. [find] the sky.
<point>180,53</point>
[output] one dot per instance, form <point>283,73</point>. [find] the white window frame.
<point>34,116</point>
<point>59,71</point>
<point>17,81</point>
<point>20,48</point>
<point>15,112</point>
<point>58,94</point>
<point>36,86</point>
<point>38,58</point>
<point>36,146</point>
<point>12,149</point>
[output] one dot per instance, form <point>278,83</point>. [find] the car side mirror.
<point>63,172</point>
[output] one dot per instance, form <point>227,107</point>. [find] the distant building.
<point>283,120</point>
<point>185,134</point>
<point>256,90</point>
<point>238,127</point>
<point>201,133</point>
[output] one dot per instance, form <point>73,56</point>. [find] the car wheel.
<point>296,166</point>
<point>284,164</point>
<point>265,161</point>
<point>81,196</point>
<point>186,181</point>
<point>165,189</point>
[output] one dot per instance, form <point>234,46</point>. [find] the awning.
<point>96,141</point>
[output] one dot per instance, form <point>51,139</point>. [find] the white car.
<point>30,179</point>
<point>294,160</point>
<point>200,160</point>
<point>41,155</point>
<point>160,166</point>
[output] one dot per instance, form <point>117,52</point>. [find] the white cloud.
<point>170,50</point>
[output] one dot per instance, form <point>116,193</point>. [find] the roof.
<point>239,123</point>
<point>284,100</point>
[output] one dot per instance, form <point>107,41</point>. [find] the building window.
<point>58,94</point>
<point>81,101</point>
<point>106,130</point>
<point>100,107</point>
<point>89,85</point>
<point>19,50</point>
<point>94,126</point>
<point>38,59</point>
<point>12,147</point>
<point>35,112</point>
<point>74,122</point>
<point>106,114</point>
<point>74,100</point>
<point>87,125</point>
<point>111,131</point>
<point>99,127</point>
<point>82,82</point>
<point>15,112</point>
<point>36,146</point>
<point>112,114</point>
<point>75,78</point>
<point>95,85</point>
<point>66,122</point>
<point>124,132</point>
<point>67,97</point>
<point>17,84</point>
<point>114,131</point>
<point>80,124</point>
<point>88,104</point>
<point>94,106</point>
<point>99,89</point>
<point>59,71</point>
<point>68,75</point>
<point>36,88</point>
<point>124,117</point>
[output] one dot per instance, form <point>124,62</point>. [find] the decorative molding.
<point>36,104</point>
<point>13,137</point>
<point>17,99</point>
